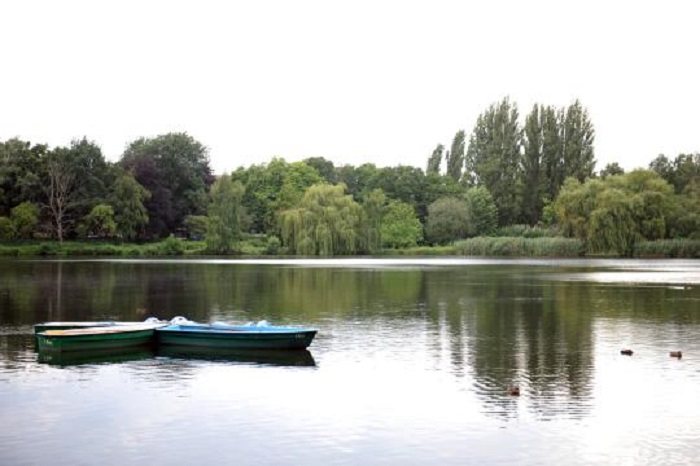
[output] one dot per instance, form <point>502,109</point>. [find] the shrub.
<point>273,246</point>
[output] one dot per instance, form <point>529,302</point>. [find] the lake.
<point>411,364</point>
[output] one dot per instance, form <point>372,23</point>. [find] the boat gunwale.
<point>97,331</point>
<point>242,330</point>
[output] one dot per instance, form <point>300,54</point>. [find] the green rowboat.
<point>42,327</point>
<point>97,338</point>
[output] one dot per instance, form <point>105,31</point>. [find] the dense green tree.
<point>92,174</point>
<point>484,213</point>
<point>22,167</point>
<point>127,197</point>
<point>297,177</point>
<point>226,215</point>
<point>612,169</point>
<point>449,219</point>
<point>684,219</point>
<point>455,157</point>
<point>7,229</point>
<point>403,183</point>
<point>271,188</point>
<point>435,160</point>
<point>174,168</point>
<point>681,172</point>
<point>325,168</point>
<point>664,167</point>
<point>326,223</point>
<point>99,223</point>
<point>433,187</point>
<point>359,180</point>
<point>25,218</point>
<point>493,158</point>
<point>400,226</point>
<point>687,171</point>
<point>195,226</point>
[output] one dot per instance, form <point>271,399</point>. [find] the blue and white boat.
<point>260,335</point>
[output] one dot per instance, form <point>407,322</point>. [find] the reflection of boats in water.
<point>301,357</point>
<point>105,356</point>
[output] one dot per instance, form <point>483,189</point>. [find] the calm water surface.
<point>410,366</point>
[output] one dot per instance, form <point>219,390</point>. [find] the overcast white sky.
<point>354,82</point>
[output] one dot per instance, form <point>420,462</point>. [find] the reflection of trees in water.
<point>485,323</point>
<point>504,331</point>
<point>16,350</point>
<point>308,294</point>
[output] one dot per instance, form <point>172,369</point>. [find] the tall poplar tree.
<point>455,157</point>
<point>552,159</point>
<point>578,136</point>
<point>435,160</point>
<point>493,157</point>
<point>532,164</point>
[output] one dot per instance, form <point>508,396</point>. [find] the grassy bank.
<point>167,247</point>
<point>511,246</point>
<point>501,246</point>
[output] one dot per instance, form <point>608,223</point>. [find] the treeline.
<point>504,173</point>
<point>73,192</point>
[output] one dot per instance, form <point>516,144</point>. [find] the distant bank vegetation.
<point>510,187</point>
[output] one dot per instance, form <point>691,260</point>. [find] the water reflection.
<point>111,356</point>
<point>244,356</point>
<point>487,324</point>
<point>497,333</point>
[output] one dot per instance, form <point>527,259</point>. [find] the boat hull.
<point>238,339</point>
<point>94,339</point>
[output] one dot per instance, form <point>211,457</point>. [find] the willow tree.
<point>327,222</point>
<point>373,206</point>
<point>615,213</point>
<point>226,215</point>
